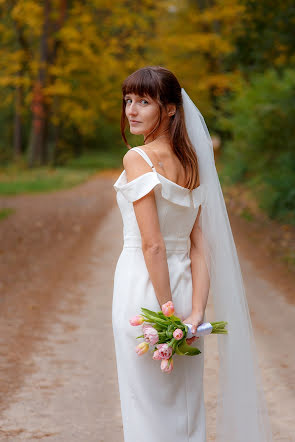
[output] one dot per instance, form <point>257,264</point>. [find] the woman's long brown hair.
<point>162,85</point>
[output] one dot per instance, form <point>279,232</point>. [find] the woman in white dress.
<point>166,256</point>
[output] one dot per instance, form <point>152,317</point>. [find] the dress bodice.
<point>177,206</point>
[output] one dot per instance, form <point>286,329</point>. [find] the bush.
<point>261,152</point>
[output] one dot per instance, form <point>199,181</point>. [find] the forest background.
<point>62,64</point>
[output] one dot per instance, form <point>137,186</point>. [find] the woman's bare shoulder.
<point>134,163</point>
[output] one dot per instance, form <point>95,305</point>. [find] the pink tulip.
<point>178,334</point>
<point>164,350</point>
<point>146,325</point>
<point>142,348</point>
<point>167,365</point>
<point>168,308</point>
<point>151,335</point>
<point>136,320</point>
<point>156,356</point>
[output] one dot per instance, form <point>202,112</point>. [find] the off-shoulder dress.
<point>156,406</point>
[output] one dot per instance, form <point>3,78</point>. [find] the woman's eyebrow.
<point>139,96</point>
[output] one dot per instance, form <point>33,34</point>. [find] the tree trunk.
<point>54,130</point>
<point>19,92</point>
<point>17,133</point>
<point>37,154</point>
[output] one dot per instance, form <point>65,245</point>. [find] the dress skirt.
<point>155,406</point>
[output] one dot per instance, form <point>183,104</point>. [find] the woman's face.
<point>143,114</point>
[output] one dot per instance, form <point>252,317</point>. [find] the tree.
<point>265,38</point>
<point>194,41</point>
<point>79,54</point>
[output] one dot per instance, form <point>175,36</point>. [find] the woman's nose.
<point>132,109</point>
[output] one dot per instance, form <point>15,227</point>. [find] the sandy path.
<point>73,394</point>
<point>68,391</point>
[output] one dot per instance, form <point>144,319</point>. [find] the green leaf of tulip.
<point>185,349</point>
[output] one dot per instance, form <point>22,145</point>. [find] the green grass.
<point>16,179</point>
<point>247,214</point>
<point>289,258</point>
<point>4,213</point>
<point>105,160</point>
<point>40,180</point>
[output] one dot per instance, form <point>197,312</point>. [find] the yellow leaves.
<point>29,13</point>
<point>3,29</point>
<point>13,81</point>
<point>282,58</point>
<point>70,34</point>
<point>58,89</point>
<point>219,83</point>
<point>200,42</point>
<point>192,42</point>
<point>6,81</point>
<point>103,41</point>
<point>221,13</point>
<point>72,113</point>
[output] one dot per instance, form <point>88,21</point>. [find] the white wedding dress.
<point>156,406</point>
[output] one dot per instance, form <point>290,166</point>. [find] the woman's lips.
<point>134,122</point>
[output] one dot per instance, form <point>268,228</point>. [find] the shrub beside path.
<point>58,369</point>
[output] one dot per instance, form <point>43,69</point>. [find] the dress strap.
<point>144,155</point>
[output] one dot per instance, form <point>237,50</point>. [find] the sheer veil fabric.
<point>242,414</point>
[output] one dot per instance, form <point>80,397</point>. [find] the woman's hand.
<point>195,319</point>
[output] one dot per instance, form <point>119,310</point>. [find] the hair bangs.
<point>142,83</point>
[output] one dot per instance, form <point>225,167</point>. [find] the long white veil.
<point>241,408</point>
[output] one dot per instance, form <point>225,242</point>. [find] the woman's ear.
<point>171,109</point>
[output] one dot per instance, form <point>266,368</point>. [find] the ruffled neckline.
<point>171,191</point>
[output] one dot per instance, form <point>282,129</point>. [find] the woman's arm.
<point>200,276</point>
<point>153,245</point>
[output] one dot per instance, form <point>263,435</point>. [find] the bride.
<point>178,246</point>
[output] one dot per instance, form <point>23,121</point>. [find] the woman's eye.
<point>141,101</point>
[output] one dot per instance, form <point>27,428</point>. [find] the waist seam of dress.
<point>172,244</point>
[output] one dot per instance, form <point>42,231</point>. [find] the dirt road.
<point>58,368</point>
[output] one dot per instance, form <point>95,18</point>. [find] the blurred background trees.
<point>62,63</point>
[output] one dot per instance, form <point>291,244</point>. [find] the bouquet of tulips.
<point>168,334</point>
